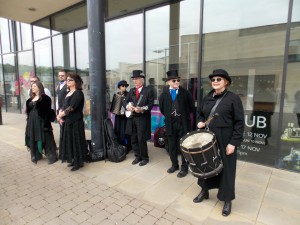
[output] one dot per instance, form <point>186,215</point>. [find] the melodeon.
<point>116,104</point>
<point>201,150</point>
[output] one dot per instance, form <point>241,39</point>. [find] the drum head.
<point>197,140</point>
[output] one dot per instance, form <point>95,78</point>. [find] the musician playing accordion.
<point>138,104</point>
<point>228,126</point>
<point>176,104</point>
<point>120,118</point>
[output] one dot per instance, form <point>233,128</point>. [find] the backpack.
<point>114,151</point>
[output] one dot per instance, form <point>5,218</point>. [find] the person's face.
<point>122,88</point>
<point>33,80</point>
<point>61,76</point>
<point>174,83</point>
<point>70,82</point>
<point>218,83</point>
<point>137,81</point>
<point>34,88</point>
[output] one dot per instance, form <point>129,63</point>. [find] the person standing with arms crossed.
<point>139,103</point>
<point>176,104</point>
<point>228,127</point>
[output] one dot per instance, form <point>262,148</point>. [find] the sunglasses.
<point>123,85</point>
<point>216,79</point>
<point>176,80</point>
<point>70,79</point>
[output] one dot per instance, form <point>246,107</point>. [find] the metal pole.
<point>96,37</point>
<point>1,123</point>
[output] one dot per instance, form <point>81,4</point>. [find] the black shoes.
<point>203,195</point>
<point>227,208</point>
<point>182,173</point>
<point>136,161</point>
<point>74,168</point>
<point>173,169</point>
<point>143,162</point>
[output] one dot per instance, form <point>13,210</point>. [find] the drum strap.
<point>214,108</point>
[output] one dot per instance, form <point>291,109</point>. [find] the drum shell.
<point>204,161</point>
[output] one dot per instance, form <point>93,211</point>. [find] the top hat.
<point>138,73</point>
<point>220,73</point>
<point>122,82</point>
<point>172,74</point>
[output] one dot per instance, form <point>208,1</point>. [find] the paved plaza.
<point>120,193</point>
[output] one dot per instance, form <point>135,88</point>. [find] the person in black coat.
<point>120,118</point>
<point>39,132</point>
<point>176,104</point>
<point>228,127</point>
<point>138,104</point>
<point>61,92</point>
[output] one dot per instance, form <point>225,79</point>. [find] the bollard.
<point>1,111</point>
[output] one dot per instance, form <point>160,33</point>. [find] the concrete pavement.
<point>120,193</point>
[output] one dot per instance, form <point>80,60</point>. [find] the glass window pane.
<point>2,84</point>
<point>70,19</point>
<point>18,30</point>
<point>82,63</point>
<point>157,47</point>
<point>124,49</point>
<point>121,7</point>
<point>43,64</point>
<point>41,29</point>
<point>25,72</point>
<point>5,43</point>
<point>11,83</point>
<point>63,52</point>
<point>248,39</point>
<point>26,36</point>
<point>289,156</point>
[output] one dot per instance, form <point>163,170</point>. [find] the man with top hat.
<point>139,103</point>
<point>119,111</point>
<point>176,104</point>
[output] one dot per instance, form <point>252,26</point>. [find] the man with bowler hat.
<point>139,103</point>
<point>176,104</point>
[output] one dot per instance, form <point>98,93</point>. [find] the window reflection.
<point>41,29</point>
<point>5,43</point>
<point>82,66</point>
<point>43,63</point>
<point>124,49</point>
<point>26,36</point>
<point>289,156</point>
<point>63,52</point>
<point>11,83</point>
<point>25,67</point>
<point>248,41</point>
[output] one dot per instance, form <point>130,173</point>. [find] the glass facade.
<point>257,42</point>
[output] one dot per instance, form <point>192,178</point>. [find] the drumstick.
<point>209,119</point>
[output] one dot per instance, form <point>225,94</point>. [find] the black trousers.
<point>138,139</point>
<point>174,147</point>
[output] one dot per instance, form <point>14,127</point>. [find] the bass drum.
<point>201,150</point>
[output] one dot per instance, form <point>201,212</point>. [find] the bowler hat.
<point>220,73</point>
<point>137,73</point>
<point>123,82</point>
<point>172,74</point>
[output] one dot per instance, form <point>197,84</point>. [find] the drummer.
<point>176,104</point>
<point>228,126</point>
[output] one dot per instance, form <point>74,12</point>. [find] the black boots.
<point>203,195</point>
<point>227,208</point>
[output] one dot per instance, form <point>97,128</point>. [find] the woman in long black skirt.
<point>72,142</point>
<point>39,133</point>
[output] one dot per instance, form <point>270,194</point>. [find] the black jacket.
<point>43,106</point>
<point>147,99</point>
<point>186,107</point>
